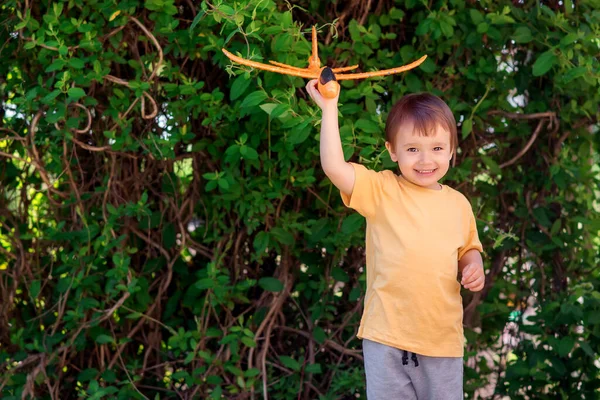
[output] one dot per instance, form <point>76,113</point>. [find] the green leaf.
<point>565,346</point>
<point>367,126</point>
<point>424,27</point>
<point>428,65</point>
<point>76,93</point>
<point>555,227</point>
<point>282,43</point>
<point>568,39</point>
<point>542,216</point>
<point>282,236</point>
<point>396,13</point>
<point>50,96</point>
<point>240,84</point>
<point>134,315</point>
<point>286,20</point>
<point>261,241</point>
<point>352,223</point>
<point>87,375</point>
<point>234,370</point>
<point>447,29</point>
<point>354,31</point>
<point>230,36</point>
<point>574,73</point>
<point>467,127</point>
<point>497,19</point>
<point>77,63</point>
<point>522,35</point>
<point>102,339</point>
<point>56,65</point>
<point>587,349</point>
<point>154,5</point>
<point>214,380</point>
<point>270,284</point>
<point>290,363</point>
<point>254,99</point>
<point>319,334</point>
<point>112,209</point>
<point>299,134</point>
<point>34,289</point>
<point>492,165</point>
<point>268,107</point>
<point>226,9</point>
<point>109,376</point>
<point>354,294</point>
<point>252,372</point>
<point>476,16</point>
<point>544,63</point>
<point>197,19</point>
<point>313,369</point>
<point>223,183</point>
<point>248,153</point>
<point>280,111</point>
<point>339,275</point>
<point>168,235</point>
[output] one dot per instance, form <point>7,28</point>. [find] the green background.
<point>166,230</point>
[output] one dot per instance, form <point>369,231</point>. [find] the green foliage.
<point>167,231</point>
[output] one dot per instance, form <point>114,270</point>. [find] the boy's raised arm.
<point>335,167</point>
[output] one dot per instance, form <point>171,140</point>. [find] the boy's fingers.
<point>472,282</point>
<point>469,269</point>
<point>467,273</point>
<point>473,277</point>
<point>476,285</point>
<point>311,88</point>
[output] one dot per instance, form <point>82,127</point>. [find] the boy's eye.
<point>411,149</point>
<point>437,148</point>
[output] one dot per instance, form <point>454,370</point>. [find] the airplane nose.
<point>327,85</point>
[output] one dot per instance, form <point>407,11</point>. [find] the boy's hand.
<point>473,277</point>
<point>322,102</point>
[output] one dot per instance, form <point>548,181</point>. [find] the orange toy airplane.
<point>327,84</point>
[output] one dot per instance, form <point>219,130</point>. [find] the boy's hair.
<point>426,111</point>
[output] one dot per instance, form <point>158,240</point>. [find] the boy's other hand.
<point>322,102</point>
<point>473,277</point>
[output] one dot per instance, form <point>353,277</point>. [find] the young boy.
<point>420,234</point>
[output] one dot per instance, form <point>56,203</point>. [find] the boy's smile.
<point>423,160</point>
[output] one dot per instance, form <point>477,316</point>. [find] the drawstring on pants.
<point>413,358</point>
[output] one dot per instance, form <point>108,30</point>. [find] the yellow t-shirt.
<point>415,237</point>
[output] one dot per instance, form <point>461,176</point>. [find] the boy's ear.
<point>388,146</point>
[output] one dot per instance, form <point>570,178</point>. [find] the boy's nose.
<point>424,157</point>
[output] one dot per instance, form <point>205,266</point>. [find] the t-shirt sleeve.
<point>471,236</point>
<point>367,192</point>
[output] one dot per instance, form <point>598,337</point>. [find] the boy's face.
<point>423,160</point>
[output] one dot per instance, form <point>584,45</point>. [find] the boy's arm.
<point>335,167</point>
<point>472,256</point>
<point>471,268</point>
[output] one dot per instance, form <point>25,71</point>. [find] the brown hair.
<point>426,111</point>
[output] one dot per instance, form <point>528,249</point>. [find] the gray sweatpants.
<point>392,374</point>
